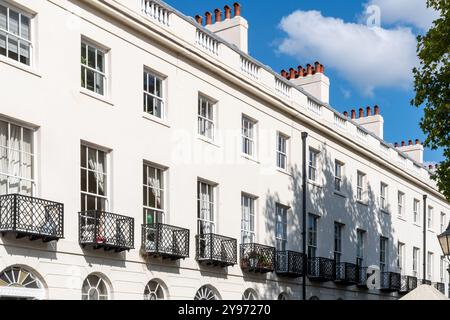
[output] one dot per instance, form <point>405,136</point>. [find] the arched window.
<point>250,294</point>
<point>94,288</point>
<point>283,296</point>
<point>19,277</point>
<point>206,293</point>
<point>154,291</point>
<point>314,298</point>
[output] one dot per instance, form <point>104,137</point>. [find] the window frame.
<point>430,217</point>
<point>313,165</point>
<point>282,141</point>
<point>281,240</point>
<point>416,211</point>
<point>146,93</point>
<point>360,189</point>
<point>401,203</point>
<point>30,42</point>
<point>203,120</point>
<point>401,257</point>
<point>159,215</point>
<point>249,141</point>
<point>211,202</point>
<point>338,230</point>
<point>360,235</point>
<point>416,261</point>
<point>338,175</point>
<point>430,265</point>
<point>104,74</point>
<point>251,234</point>
<point>312,235</point>
<point>384,196</point>
<point>443,221</point>
<point>384,243</point>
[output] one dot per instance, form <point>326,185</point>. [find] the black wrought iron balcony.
<point>31,217</point>
<point>346,273</point>
<point>428,282</point>
<point>290,263</point>
<point>105,230</point>
<point>362,277</point>
<point>408,283</point>
<point>257,258</point>
<point>321,269</point>
<point>168,242</point>
<point>390,281</point>
<point>440,286</point>
<point>216,250</point>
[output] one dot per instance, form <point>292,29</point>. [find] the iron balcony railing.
<point>346,273</point>
<point>440,286</point>
<point>290,263</point>
<point>390,281</point>
<point>31,217</point>
<point>168,242</point>
<point>216,250</point>
<point>106,230</point>
<point>257,258</point>
<point>321,269</point>
<point>428,282</point>
<point>408,283</point>
<point>362,277</point>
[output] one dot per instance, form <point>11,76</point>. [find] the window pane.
<point>83,180</point>
<point>3,17</point>
<point>83,54</point>
<point>13,48</point>
<point>100,61</point>
<point>25,27</point>
<point>158,88</point>
<point>151,84</point>
<point>13,186</point>
<point>90,82</point>
<point>13,22</point>
<point>27,166</point>
<point>145,81</point>
<point>24,53</point>
<point>3,184</point>
<point>2,43</point>
<point>92,182</point>
<point>91,57</point>
<point>99,84</point>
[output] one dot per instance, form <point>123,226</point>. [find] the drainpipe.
<point>424,277</point>
<point>304,137</point>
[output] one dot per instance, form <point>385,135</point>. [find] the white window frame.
<point>161,100</point>
<point>313,165</point>
<point>338,175</point>
<point>384,243</point>
<point>103,74</point>
<point>443,222</point>
<point>22,154</point>
<point>416,261</point>
<point>442,269</point>
<point>86,193</point>
<point>249,136</point>
<point>19,37</point>
<point>159,214</point>
<point>430,265</point>
<point>384,192</point>
<point>282,151</point>
<point>248,231</point>
<point>360,186</point>
<point>430,216</point>
<point>312,234</point>
<point>206,123</point>
<point>360,235</point>
<point>338,230</point>
<point>281,217</point>
<point>416,211</point>
<point>401,204</point>
<point>206,201</point>
<point>401,257</point>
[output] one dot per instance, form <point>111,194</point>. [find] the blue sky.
<point>365,66</point>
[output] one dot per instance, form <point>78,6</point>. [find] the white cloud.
<point>368,57</point>
<point>406,12</point>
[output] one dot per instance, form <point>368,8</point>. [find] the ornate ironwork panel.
<point>213,249</point>
<point>257,258</point>
<point>390,281</point>
<point>440,286</point>
<point>362,277</point>
<point>165,241</point>
<point>408,283</point>
<point>106,230</point>
<point>346,273</point>
<point>290,263</point>
<point>321,269</point>
<point>31,217</point>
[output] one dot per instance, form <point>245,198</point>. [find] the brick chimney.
<point>314,81</point>
<point>413,149</point>
<point>372,122</point>
<point>231,26</point>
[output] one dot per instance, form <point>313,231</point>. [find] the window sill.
<point>156,120</point>
<point>417,225</point>
<point>363,203</point>
<point>96,96</point>
<point>250,158</point>
<point>340,194</point>
<point>314,184</point>
<point>429,230</point>
<point>283,171</point>
<point>385,211</point>
<point>208,141</point>
<point>19,66</point>
<point>401,218</point>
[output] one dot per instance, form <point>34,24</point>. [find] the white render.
<point>47,97</point>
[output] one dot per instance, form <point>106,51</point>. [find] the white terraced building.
<point>172,166</point>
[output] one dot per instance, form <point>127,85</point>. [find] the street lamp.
<point>444,241</point>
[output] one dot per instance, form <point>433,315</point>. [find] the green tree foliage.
<point>432,86</point>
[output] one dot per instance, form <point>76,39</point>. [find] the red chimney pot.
<point>376,110</point>
<point>308,69</point>
<point>227,12</point>
<point>403,144</point>
<point>292,73</point>
<point>361,112</point>
<point>208,16</point>
<point>283,73</point>
<point>237,9</point>
<point>346,114</point>
<point>369,111</point>
<point>353,114</point>
<point>417,141</point>
<point>199,19</point>
<point>301,71</point>
<point>396,144</point>
<point>410,142</point>
<point>218,13</point>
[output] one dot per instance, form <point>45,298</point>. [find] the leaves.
<point>432,87</point>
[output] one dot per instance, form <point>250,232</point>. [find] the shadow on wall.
<point>331,206</point>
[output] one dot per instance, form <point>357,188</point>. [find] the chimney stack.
<point>233,29</point>
<point>413,150</point>
<point>353,114</point>
<point>199,19</point>
<point>372,122</point>
<point>292,73</point>
<point>301,72</point>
